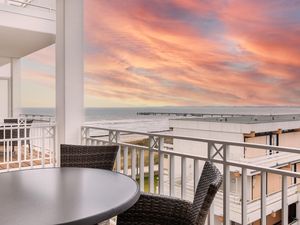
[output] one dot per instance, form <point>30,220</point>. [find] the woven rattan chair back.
<point>100,157</point>
<point>209,183</point>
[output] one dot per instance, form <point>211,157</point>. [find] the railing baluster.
<point>19,147</point>
<point>183,178</point>
<point>172,175</point>
<point>133,163</point>
<point>31,152</point>
<point>53,149</point>
<point>284,210</point>
<point>142,164</point>
<point>161,166</point>
<point>24,144</point>
<point>151,165</point>
<point>226,187</point>
<point>263,197</point>
<point>9,148</point>
<point>244,196</point>
<point>211,216</point>
<point>10,144</point>
<point>125,164</point>
<point>196,174</point>
<point>151,171</point>
<point>119,159</point>
<point>43,147</point>
<point>83,129</point>
<point>87,137</point>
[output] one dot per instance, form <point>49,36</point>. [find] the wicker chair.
<point>100,157</point>
<point>161,210</point>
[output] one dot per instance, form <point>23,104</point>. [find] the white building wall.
<point>252,152</point>
<point>200,149</point>
<point>291,139</point>
<point>231,132</point>
<point>3,99</point>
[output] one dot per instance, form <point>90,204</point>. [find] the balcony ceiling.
<point>24,31</point>
<point>19,43</point>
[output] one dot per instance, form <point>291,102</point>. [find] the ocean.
<point>127,118</point>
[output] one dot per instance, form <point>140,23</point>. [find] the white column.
<point>69,70</point>
<point>15,88</point>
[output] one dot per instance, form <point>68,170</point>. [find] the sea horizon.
<point>121,117</point>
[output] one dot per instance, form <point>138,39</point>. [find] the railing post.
<point>263,197</point>
<point>244,196</point>
<point>183,177</point>
<point>142,164</point>
<point>56,161</point>
<point>161,166</point>
<point>133,163</point>
<point>151,164</point>
<point>110,136</point>
<point>87,136</point>
<point>211,216</point>
<point>43,147</point>
<point>82,135</point>
<point>284,210</point>
<point>119,152</point>
<point>125,160</point>
<point>196,174</point>
<point>172,175</point>
<point>19,146</point>
<point>226,186</point>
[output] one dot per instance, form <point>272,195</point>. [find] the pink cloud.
<point>185,52</point>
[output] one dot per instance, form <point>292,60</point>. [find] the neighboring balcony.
<point>27,143</point>
<point>25,27</point>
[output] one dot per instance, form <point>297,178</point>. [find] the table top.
<point>64,196</point>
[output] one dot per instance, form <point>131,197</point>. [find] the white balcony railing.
<point>49,6</point>
<point>44,10</point>
<point>25,145</point>
<point>158,172</point>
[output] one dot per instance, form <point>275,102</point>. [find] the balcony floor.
<point>25,159</point>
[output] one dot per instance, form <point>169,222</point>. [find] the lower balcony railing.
<point>25,144</point>
<point>152,159</point>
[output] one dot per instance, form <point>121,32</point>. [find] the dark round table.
<point>64,196</point>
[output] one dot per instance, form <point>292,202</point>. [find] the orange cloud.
<point>185,52</point>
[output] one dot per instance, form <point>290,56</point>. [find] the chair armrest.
<point>155,209</point>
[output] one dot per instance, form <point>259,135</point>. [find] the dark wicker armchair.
<point>101,157</point>
<point>161,210</point>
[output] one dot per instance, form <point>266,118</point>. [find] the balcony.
<point>27,145</point>
<point>160,169</point>
<point>26,27</point>
<point>151,160</point>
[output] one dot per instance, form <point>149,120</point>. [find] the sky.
<point>181,53</point>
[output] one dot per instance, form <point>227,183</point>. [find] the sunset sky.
<point>181,52</point>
